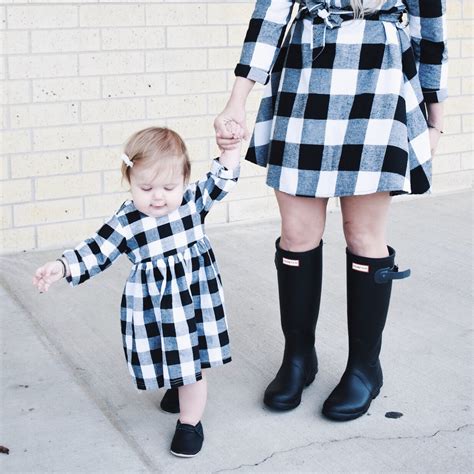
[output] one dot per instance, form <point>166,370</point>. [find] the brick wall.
<point>79,77</point>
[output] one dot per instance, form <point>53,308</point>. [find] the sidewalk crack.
<point>332,441</point>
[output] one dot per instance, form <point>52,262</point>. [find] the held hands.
<point>49,273</point>
<point>230,154</point>
<point>230,128</point>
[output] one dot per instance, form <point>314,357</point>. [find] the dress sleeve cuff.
<point>432,96</point>
<point>253,73</point>
<point>219,170</point>
<point>74,267</point>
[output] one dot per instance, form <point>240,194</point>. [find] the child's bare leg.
<point>192,401</point>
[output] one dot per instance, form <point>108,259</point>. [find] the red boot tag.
<point>360,268</point>
<point>291,263</point>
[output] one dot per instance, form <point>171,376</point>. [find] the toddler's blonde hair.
<point>360,9</point>
<point>159,145</point>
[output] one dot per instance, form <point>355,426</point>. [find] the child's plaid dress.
<point>343,112</point>
<point>172,310</point>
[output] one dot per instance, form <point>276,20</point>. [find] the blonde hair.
<point>159,145</point>
<point>360,9</point>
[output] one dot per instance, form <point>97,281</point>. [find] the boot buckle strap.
<point>384,275</point>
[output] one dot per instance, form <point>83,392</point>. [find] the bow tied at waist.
<point>325,16</point>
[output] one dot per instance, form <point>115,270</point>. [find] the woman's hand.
<point>435,135</point>
<point>46,275</point>
<point>228,138</point>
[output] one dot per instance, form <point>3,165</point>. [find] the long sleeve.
<point>96,253</point>
<point>264,38</point>
<point>428,37</point>
<point>214,186</point>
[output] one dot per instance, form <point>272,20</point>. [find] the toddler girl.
<point>172,311</point>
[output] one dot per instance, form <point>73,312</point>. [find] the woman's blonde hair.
<point>159,145</point>
<point>360,9</point>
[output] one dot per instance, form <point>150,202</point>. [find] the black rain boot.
<point>299,288</point>
<point>170,401</point>
<point>369,285</point>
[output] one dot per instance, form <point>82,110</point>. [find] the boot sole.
<point>288,406</point>
<point>338,416</point>
<point>170,410</point>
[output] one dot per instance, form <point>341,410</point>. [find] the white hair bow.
<point>127,160</point>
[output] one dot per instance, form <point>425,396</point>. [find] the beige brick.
<point>195,82</point>
<point>223,58</point>
<point>60,138</point>
<point>467,9</point>
<point>48,211</point>
<point>118,133</point>
<point>455,48</point>
<point>176,105</point>
<point>459,29</point>
<point>55,90</point>
<point>73,40</point>
<point>112,110</point>
<point>15,92</point>
<point>40,164</point>
<point>219,214</point>
<point>111,63</point>
<point>98,159</point>
<point>175,60</point>
<point>67,234</point>
<point>133,85</point>
<point>198,149</point>
<point>467,49</point>
<point>188,14</point>
<point>14,42</point>
<point>460,67</point>
<point>454,9</point>
<point>217,102</point>
<point>452,124</point>
<point>17,240</point>
<point>6,218</point>
<point>455,143</point>
<point>15,141</point>
<point>57,187</point>
<point>133,38</point>
<point>467,161</point>
<point>454,86</point>
<point>4,167</point>
<point>16,190</point>
<point>258,208</point>
<point>467,124</point>
<point>3,18</point>
<point>52,16</point>
<point>468,86</point>
<point>248,169</point>
<point>4,119</point>
<point>446,163</point>
<point>236,35</point>
<point>196,36</point>
<point>37,66</point>
<point>249,188</point>
<point>112,15</point>
<point>3,68</point>
<point>459,105</point>
<point>450,182</point>
<point>41,115</point>
<point>192,127</point>
<point>105,205</point>
<point>233,13</point>
<point>113,182</point>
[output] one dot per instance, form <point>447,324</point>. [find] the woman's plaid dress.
<point>343,112</point>
<point>172,310</point>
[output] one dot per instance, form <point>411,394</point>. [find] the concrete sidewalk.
<point>69,405</point>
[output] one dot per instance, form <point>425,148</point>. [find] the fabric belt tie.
<point>325,17</point>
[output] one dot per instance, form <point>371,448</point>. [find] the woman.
<point>352,108</point>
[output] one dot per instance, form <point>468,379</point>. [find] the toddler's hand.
<point>46,275</point>
<point>235,129</point>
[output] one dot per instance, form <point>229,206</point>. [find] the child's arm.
<point>230,157</point>
<point>89,258</point>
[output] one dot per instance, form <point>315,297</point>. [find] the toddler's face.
<point>156,194</point>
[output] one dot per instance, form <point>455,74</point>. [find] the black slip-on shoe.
<point>187,440</point>
<point>170,401</point>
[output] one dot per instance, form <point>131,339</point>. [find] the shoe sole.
<point>337,416</point>
<point>180,455</point>
<point>288,406</point>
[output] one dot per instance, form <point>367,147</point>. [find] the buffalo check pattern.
<point>343,111</point>
<point>172,309</point>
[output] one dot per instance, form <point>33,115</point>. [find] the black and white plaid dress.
<point>343,112</point>
<point>172,311</point>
